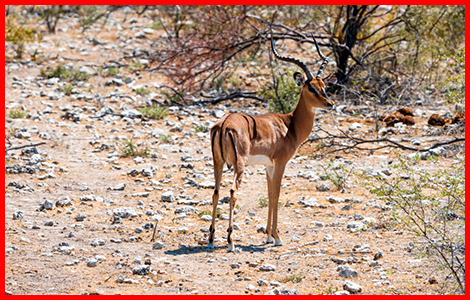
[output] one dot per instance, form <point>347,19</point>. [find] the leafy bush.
<point>131,149</point>
<point>218,213</point>
<point>113,71</point>
<point>338,175</point>
<point>108,71</point>
<point>89,15</point>
<point>135,66</point>
<point>263,201</point>
<point>51,15</point>
<point>68,74</point>
<point>201,128</point>
<point>283,95</point>
<point>66,89</point>
<point>456,83</point>
<point>154,112</point>
<point>157,25</point>
<point>432,206</point>
<point>142,91</point>
<point>20,35</point>
<point>15,114</point>
<point>293,278</point>
<point>164,138</point>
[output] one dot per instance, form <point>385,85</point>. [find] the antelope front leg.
<point>269,175</point>
<point>274,200</point>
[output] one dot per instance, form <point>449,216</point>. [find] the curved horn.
<point>292,60</point>
<point>325,59</point>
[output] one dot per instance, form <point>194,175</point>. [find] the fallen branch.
<point>73,59</point>
<point>391,144</point>
<point>229,97</point>
<point>26,146</point>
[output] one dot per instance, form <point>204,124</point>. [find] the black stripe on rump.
<point>233,143</point>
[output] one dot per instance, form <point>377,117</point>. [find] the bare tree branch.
<point>247,95</point>
<point>26,146</point>
<point>390,144</point>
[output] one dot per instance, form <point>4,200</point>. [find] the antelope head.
<point>313,89</point>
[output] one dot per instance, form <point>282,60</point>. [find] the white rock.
<point>207,184</point>
<point>346,271</point>
<point>267,267</point>
<point>92,263</point>
<point>354,126</point>
<point>131,113</point>
<point>262,282</point>
<point>333,199</point>
<point>183,230</point>
<point>168,197</point>
<point>206,218</point>
<point>352,287</point>
<point>148,31</point>
<point>125,212</point>
<point>157,245</point>
<point>86,70</point>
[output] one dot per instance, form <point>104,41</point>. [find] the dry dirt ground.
<point>78,245</point>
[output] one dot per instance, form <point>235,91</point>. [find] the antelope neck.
<point>302,117</point>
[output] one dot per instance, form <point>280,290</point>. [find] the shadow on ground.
<point>199,249</point>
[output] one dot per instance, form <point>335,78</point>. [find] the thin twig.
<point>26,146</point>
<point>392,144</point>
<point>229,97</point>
<point>176,92</point>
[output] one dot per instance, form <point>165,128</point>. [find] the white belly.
<point>259,160</point>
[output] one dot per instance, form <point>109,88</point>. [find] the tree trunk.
<point>348,37</point>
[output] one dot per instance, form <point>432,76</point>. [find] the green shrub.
<point>293,278</point>
<point>283,95</point>
<point>456,84</point>
<point>135,66</point>
<point>66,89</point>
<point>130,149</point>
<point>142,91</point>
<point>432,207</point>
<point>218,213</point>
<point>51,14</point>
<point>113,71</point>
<point>263,201</point>
<point>164,138</point>
<point>338,175</point>
<point>154,112</point>
<point>68,74</point>
<point>157,25</point>
<point>58,72</point>
<point>108,71</point>
<point>89,15</point>
<point>19,36</point>
<point>201,128</point>
<point>16,114</point>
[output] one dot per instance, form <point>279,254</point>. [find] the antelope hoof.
<point>278,242</point>
<point>270,240</point>
<point>231,248</point>
<point>210,245</point>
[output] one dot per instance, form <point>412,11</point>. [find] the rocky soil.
<point>79,216</point>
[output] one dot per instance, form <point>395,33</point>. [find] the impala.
<point>239,140</point>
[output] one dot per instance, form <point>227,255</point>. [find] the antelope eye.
<point>312,89</point>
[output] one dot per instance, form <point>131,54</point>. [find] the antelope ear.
<point>331,79</point>
<point>299,79</point>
